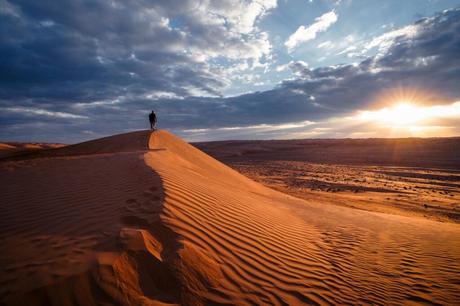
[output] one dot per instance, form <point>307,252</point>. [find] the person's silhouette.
<point>153,120</point>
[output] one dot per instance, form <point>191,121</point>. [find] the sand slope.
<point>147,219</point>
<point>245,244</point>
<point>79,227</point>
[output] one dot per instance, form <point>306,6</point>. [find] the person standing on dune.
<point>153,120</point>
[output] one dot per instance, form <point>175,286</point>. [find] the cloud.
<point>306,33</point>
<point>282,67</point>
<point>428,122</point>
<point>244,14</point>
<point>385,41</point>
<point>423,66</point>
<point>298,67</point>
<point>78,70</point>
<point>41,112</point>
<point>347,50</point>
<point>126,46</point>
<point>54,57</point>
<point>265,131</point>
<point>325,45</point>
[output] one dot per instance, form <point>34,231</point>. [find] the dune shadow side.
<point>85,229</point>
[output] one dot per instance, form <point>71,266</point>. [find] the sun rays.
<point>407,118</point>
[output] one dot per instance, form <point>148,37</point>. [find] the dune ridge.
<point>146,219</point>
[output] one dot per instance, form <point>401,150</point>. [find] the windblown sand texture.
<point>415,177</point>
<point>147,219</point>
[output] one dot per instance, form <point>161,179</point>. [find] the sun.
<point>401,114</point>
<point>407,112</point>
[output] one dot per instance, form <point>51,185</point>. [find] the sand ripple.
<point>245,244</point>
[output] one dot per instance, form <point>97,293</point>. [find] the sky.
<point>74,70</point>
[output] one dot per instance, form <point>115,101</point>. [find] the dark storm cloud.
<point>57,55</point>
<point>84,51</point>
<point>79,69</point>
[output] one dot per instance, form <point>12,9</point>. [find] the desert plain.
<point>405,176</point>
<point>145,218</point>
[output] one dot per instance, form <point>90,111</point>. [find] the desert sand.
<point>20,149</point>
<point>437,152</point>
<point>417,177</point>
<point>147,219</point>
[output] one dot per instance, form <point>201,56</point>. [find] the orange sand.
<point>5,146</point>
<point>19,149</point>
<point>140,219</point>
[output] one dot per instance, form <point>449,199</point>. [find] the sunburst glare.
<point>408,116</point>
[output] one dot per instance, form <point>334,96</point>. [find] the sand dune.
<point>407,176</point>
<point>70,226</point>
<point>5,146</point>
<point>147,219</point>
<point>19,149</point>
<point>248,244</point>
